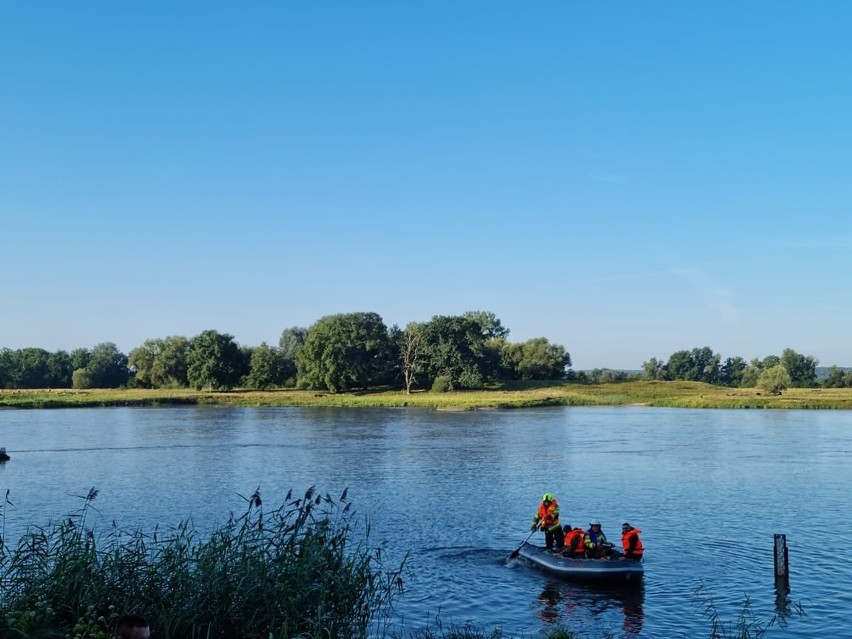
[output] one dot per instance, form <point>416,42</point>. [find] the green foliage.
<point>107,367</point>
<point>697,365</point>
<point>458,347</point>
<point>290,342</point>
<point>441,384</point>
<point>161,363</point>
<point>214,361</point>
<point>267,368</point>
<point>81,379</point>
<point>731,371</point>
<point>774,380</point>
<point>536,358</point>
<point>292,571</point>
<point>801,368</point>
<point>346,351</point>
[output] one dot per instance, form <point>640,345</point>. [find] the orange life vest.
<point>578,534</point>
<point>548,516</point>
<point>638,549</point>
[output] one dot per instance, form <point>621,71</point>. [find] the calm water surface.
<point>709,488</point>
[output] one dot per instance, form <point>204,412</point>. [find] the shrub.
<point>441,384</point>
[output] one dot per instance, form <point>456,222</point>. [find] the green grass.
<point>665,394</point>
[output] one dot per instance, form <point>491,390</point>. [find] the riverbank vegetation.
<point>506,396</point>
<point>358,352</point>
<point>291,571</point>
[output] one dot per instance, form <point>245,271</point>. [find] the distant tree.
<point>774,380</point>
<point>536,359</point>
<point>266,368</point>
<point>289,344</point>
<point>490,326</point>
<point>59,370</point>
<point>30,368</point>
<point>679,366</point>
<point>345,351</point>
<point>606,376</point>
<point>456,347</point>
<point>411,354</point>
<point>731,371</point>
<point>80,358</point>
<point>801,368</point>
<point>107,367</point>
<point>214,361</point>
<point>837,378</point>
<point>653,369</point>
<point>161,363</point>
<point>80,379</point>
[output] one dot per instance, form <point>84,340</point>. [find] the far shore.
<point>520,395</point>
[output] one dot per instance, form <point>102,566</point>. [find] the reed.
<point>292,571</point>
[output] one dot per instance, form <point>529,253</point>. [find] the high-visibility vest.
<point>638,549</point>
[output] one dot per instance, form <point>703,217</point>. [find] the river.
<point>457,491</point>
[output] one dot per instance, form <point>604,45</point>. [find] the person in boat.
<point>633,548</point>
<point>574,542</point>
<point>597,546</point>
<point>547,518</point>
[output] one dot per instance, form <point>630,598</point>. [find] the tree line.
<point>337,353</point>
<point>351,351</point>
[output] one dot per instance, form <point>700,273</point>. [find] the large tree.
<point>457,348</point>
<point>801,368</point>
<point>289,344</point>
<point>345,351</point>
<point>161,363</point>
<point>214,361</point>
<point>536,358</point>
<point>266,367</point>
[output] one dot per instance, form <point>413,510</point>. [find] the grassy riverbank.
<point>642,393</point>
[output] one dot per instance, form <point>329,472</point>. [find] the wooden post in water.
<point>782,564</point>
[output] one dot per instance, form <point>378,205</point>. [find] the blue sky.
<point>627,179</point>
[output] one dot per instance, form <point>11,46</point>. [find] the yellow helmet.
<point>547,497</point>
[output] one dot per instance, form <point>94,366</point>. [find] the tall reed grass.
<point>291,571</point>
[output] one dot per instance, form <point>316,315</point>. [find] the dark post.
<point>782,564</point>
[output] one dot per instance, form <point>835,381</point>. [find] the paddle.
<point>517,551</point>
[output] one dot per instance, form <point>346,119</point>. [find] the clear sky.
<point>627,179</point>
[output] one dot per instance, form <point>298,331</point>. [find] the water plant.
<point>296,570</point>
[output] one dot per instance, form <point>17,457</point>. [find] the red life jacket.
<point>638,549</point>
<point>548,516</point>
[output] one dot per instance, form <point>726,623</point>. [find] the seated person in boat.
<point>633,548</point>
<point>574,542</point>
<point>597,547</point>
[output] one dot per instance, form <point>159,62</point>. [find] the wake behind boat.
<point>616,569</point>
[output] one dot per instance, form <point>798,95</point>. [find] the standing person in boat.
<point>597,547</point>
<point>633,548</point>
<point>547,518</point>
<point>574,542</point>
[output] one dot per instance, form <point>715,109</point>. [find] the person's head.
<point>132,627</point>
<point>595,524</point>
<point>566,528</point>
<point>547,498</point>
<point>625,527</point>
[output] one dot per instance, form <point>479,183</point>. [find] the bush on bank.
<point>293,571</point>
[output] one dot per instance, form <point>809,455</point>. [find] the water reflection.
<point>583,604</point>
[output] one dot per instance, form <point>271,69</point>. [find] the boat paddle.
<point>517,550</point>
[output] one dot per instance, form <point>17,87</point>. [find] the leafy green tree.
<point>59,370</point>
<point>214,361</point>
<point>731,371</point>
<point>801,368</point>
<point>654,369</point>
<point>5,367</point>
<point>107,367</point>
<point>774,380</point>
<point>837,378</point>
<point>536,358</point>
<point>490,326</point>
<point>457,347</point>
<point>697,365</point>
<point>30,368</point>
<point>266,368</point>
<point>679,366</point>
<point>80,379</point>
<point>345,351</point>
<point>80,358</point>
<point>289,344</point>
<point>161,363</point>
